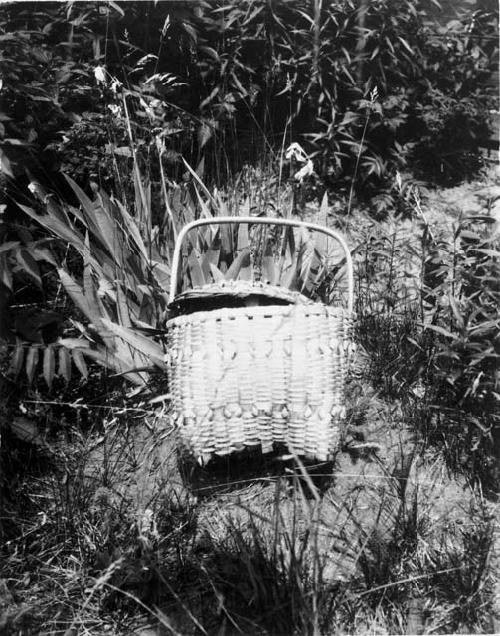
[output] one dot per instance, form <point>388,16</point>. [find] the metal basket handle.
<point>262,221</point>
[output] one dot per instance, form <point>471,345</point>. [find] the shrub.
<point>370,86</point>
<point>466,318</point>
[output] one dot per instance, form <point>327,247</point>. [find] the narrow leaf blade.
<point>64,364</point>
<point>49,365</point>
<point>80,363</point>
<point>31,363</point>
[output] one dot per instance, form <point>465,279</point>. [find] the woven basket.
<point>259,375</point>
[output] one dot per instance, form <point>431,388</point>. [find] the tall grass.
<point>256,558</point>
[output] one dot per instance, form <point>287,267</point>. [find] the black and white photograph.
<point>249,317</point>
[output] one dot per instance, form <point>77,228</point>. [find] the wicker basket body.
<point>258,375</point>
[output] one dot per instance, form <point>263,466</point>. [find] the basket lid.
<point>241,290</point>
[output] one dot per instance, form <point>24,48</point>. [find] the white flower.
<point>399,181</point>
<point>306,171</point>
<point>100,74</point>
<point>166,24</point>
<point>296,151</point>
<point>115,85</point>
<point>115,109</point>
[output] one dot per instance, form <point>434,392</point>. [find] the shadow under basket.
<point>258,374</point>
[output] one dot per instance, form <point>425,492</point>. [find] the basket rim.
<point>262,311</point>
<point>243,288</point>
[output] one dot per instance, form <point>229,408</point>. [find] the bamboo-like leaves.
<point>79,361</point>
<point>17,360</point>
<point>76,294</point>
<point>143,345</point>
<point>5,272</point>
<point>97,218</point>
<point>122,307</point>
<point>32,362</point>
<point>126,270</point>
<point>64,364</point>
<point>29,265</point>
<point>49,365</point>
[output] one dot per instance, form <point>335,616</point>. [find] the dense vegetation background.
<point>229,83</point>
<point>122,121</point>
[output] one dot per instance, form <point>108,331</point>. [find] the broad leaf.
<point>5,272</point>
<point>211,256</point>
<point>321,239</point>
<point>98,226</point>
<point>122,307</point>
<point>218,276</point>
<point>112,361</point>
<point>199,182</point>
<point>16,363</point>
<point>243,247</point>
<point>8,245</point>
<point>64,231</point>
<point>31,362</point>
<point>76,294</point>
<point>49,365</point>
<point>64,364</point>
<point>287,253</point>
<point>195,271</point>
<point>240,264</point>
<point>269,269</point>
<point>29,266</point>
<point>145,346</point>
<point>88,285</point>
<point>131,229</point>
<point>79,361</point>
<point>311,271</point>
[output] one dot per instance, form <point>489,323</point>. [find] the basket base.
<point>316,440</point>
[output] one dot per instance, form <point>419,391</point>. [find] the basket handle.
<point>262,221</point>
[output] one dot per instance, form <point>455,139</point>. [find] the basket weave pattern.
<point>250,376</point>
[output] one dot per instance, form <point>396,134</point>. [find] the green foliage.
<point>371,86</point>
<point>46,75</point>
<point>447,150</point>
<point>465,293</point>
<point>427,315</point>
<point>115,267</point>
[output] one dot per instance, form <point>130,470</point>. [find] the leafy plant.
<point>274,567</point>
<point>466,361</point>
<point>125,272</point>
<point>224,85</point>
<point>452,117</point>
